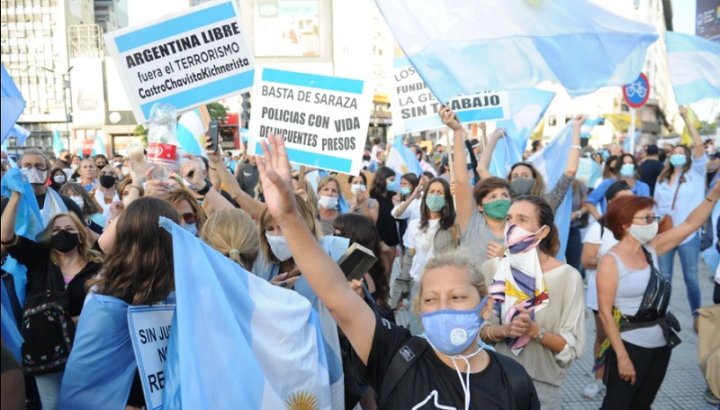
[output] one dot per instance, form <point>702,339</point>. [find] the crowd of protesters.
<point>468,276</point>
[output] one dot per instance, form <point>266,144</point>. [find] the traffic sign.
<point>636,93</point>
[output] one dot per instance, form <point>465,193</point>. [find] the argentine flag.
<point>57,144</point>
<point>401,160</point>
<point>240,342</point>
<point>99,145</point>
<point>460,47</point>
<point>694,64</point>
<point>550,162</point>
<point>527,107</point>
<point>12,104</point>
<point>190,131</point>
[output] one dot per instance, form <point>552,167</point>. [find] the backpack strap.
<point>518,379</point>
<point>400,363</point>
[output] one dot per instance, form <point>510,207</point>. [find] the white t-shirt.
<point>423,242</point>
<point>606,241</point>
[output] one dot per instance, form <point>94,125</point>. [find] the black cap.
<point>652,149</point>
<point>614,188</point>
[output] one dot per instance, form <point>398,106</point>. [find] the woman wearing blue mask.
<point>680,188</point>
<point>625,168</point>
<point>447,369</point>
<point>435,232</point>
<point>481,210</point>
<point>539,314</point>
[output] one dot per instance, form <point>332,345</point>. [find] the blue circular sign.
<point>637,93</point>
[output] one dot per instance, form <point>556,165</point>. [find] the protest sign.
<point>150,332</point>
<point>184,60</point>
<point>323,120</point>
<point>415,107</point>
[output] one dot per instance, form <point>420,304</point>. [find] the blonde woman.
<point>233,233</point>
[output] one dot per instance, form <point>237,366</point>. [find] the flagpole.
<point>631,131</point>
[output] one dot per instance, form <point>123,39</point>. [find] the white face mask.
<point>125,171</point>
<point>644,233</point>
<point>35,176</point>
<point>78,200</point>
<point>358,188</point>
<point>279,247</point>
<point>328,202</point>
<point>59,179</point>
<point>74,167</point>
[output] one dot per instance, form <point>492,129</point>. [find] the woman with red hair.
<point>641,334</point>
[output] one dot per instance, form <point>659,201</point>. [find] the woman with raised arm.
<point>633,309</point>
<point>679,189</point>
<point>452,304</point>
<point>524,179</point>
<point>481,210</point>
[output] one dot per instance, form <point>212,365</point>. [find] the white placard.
<point>185,59</point>
<point>415,107</point>
<point>149,332</point>
<point>323,120</point>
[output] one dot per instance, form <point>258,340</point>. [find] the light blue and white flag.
<point>401,160</point>
<point>99,144</point>
<point>460,47</point>
<point>101,366</point>
<point>21,134</point>
<point>12,104</point>
<point>527,107</point>
<point>248,345</point>
<point>190,129</point>
<point>588,126</point>
<point>550,162</point>
<point>28,223</point>
<point>57,144</point>
<point>694,64</point>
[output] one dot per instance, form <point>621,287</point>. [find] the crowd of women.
<point>469,304</point>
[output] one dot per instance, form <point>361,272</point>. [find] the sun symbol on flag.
<point>302,401</point>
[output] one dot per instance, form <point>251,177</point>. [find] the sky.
<point>684,22</point>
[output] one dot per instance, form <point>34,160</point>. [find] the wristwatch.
<point>205,189</point>
<point>540,336</point>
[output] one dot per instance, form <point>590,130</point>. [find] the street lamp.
<point>66,86</point>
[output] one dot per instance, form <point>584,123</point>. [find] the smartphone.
<point>356,261</point>
<point>213,134</point>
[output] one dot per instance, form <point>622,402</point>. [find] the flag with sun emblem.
<point>238,342</point>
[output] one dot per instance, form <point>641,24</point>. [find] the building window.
<point>552,120</point>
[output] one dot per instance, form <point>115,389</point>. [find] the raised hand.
<point>448,117</point>
<point>579,120</point>
<point>276,178</point>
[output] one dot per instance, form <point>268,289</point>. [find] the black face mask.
<point>107,181</point>
<point>64,241</point>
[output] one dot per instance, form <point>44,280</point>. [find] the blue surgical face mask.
<point>405,190</point>
<point>192,228</point>
<point>678,160</point>
<point>605,154</point>
<point>452,331</point>
<point>627,170</point>
<point>393,184</point>
<point>435,202</point>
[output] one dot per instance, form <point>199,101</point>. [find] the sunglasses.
<point>189,218</point>
<point>648,219</point>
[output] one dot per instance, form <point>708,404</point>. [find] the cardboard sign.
<point>323,120</point>
<point>415,107</point>
<point>185,60</point>
<point>149,332</point>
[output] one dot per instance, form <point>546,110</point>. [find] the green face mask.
<point>497,209</point>
<point>435,202</point>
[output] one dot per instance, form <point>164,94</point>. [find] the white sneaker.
<point>593,389</point>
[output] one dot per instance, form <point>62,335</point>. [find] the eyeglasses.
<point>189,218</point>
<point>39,167</point>
<point>648,219</point>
